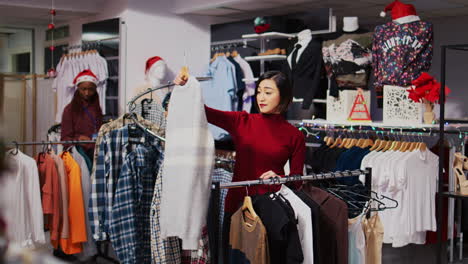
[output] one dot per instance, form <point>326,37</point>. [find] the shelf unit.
<point>264,38</point>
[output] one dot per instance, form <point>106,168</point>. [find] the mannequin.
<point>304,74</point>
<point>155,71</point>
<point>150,105</point>
<point>348,58</point>
<point>402,48</point>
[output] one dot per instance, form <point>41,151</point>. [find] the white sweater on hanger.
<point>187,167</point>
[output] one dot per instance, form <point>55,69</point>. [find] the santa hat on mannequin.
<point>399,9</point>
<point>152,61</point>
<point>85,76</point>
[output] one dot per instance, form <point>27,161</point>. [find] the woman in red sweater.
<point>264,142</point>
<point>82,117</point>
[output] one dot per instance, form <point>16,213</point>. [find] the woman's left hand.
<point>268,175</point>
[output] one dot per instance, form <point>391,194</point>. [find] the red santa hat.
<point>152,61</point>
<point>399,9</point>
<point>85,76</point>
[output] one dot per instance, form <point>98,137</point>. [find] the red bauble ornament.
<point>52,48</point>
<point>53,12</point>
<point>52,73</point>
<point>51,26</point>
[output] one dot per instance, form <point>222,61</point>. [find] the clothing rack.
<point>68,142</point>
<point>132,105</point>
<point>88,44</point>
<point>216,194</point>
<point>233,43</point>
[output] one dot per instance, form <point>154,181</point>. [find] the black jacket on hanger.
<point>305,79</point>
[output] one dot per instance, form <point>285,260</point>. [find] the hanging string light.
<point>52,12</point>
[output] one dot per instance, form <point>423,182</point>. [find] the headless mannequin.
<point>295,111</point>
<point>303,38</point>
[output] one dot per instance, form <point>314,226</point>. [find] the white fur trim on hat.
<point>383,14</point>
<point>86,78</point>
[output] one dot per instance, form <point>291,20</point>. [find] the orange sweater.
<point>76,212</point>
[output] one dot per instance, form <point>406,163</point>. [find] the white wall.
<point>452,31</point>
<point>152,30</point>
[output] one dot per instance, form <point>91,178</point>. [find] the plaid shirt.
<point>108,158</point>
<point>222,176</point>
<point>130,222</point>
<point>154,113</point>
<point>200,256</point>
<point>168,250</point>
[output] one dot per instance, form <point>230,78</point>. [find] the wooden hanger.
<point>376,144</point>
<point>248,206</point>
<point>336,143</point>
<point>234,53</point>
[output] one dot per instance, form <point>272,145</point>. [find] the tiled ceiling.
<point>367,10</point>
<point>33,16</point>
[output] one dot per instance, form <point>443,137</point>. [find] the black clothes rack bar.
<point>68,142</point>
<point>216,194</point>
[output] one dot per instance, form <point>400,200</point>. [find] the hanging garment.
<point>337,213</point>
<point>64,201</point>
<point>189,158</point>
<point>130,220</point>
<point>152,111</point>
<point>356,242</point>
<point>107,163</point>
<point>55,136</point>
<point>249,83</point>
<point>49,182</point>
<point>89,248</point>
<point>222,176</point>
<point>400,53</point>
<point>76,212</point>
<point>239,84</point>
<point>373,230</point>
<point>280,223</point>
<point>202,254</point>
<point>248,240</point>
<point>220,92</point>
<point>167,250</point>
<point>318,230</point>
<point>21,201</point>
<point>304,218</point>
<point>348,61</point>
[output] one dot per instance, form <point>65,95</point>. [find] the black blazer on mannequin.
<point>305,79</point>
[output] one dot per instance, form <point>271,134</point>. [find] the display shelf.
<point>266,58</point>
<point>269,35</point>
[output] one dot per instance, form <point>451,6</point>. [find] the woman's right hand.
<point>181,79</point>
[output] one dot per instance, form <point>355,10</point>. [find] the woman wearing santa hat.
<point>82,117</point>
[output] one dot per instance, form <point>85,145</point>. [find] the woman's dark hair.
<point>77,105</point>
<point>284,87</point>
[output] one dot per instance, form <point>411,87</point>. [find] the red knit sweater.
<point>263,142</point>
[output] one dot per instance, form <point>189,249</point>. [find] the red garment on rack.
<point>263,142</point>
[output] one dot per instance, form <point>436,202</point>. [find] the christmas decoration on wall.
<point>260,25</point>
<point>359,111</point>
<point>52,12</point>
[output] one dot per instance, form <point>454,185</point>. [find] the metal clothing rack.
<point>233,43</point>
<point>88,44</point>
<point>216,194</point>
<point>131,104</point>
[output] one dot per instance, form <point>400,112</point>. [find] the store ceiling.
<point>367,10</point>
<point>36,12</point>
